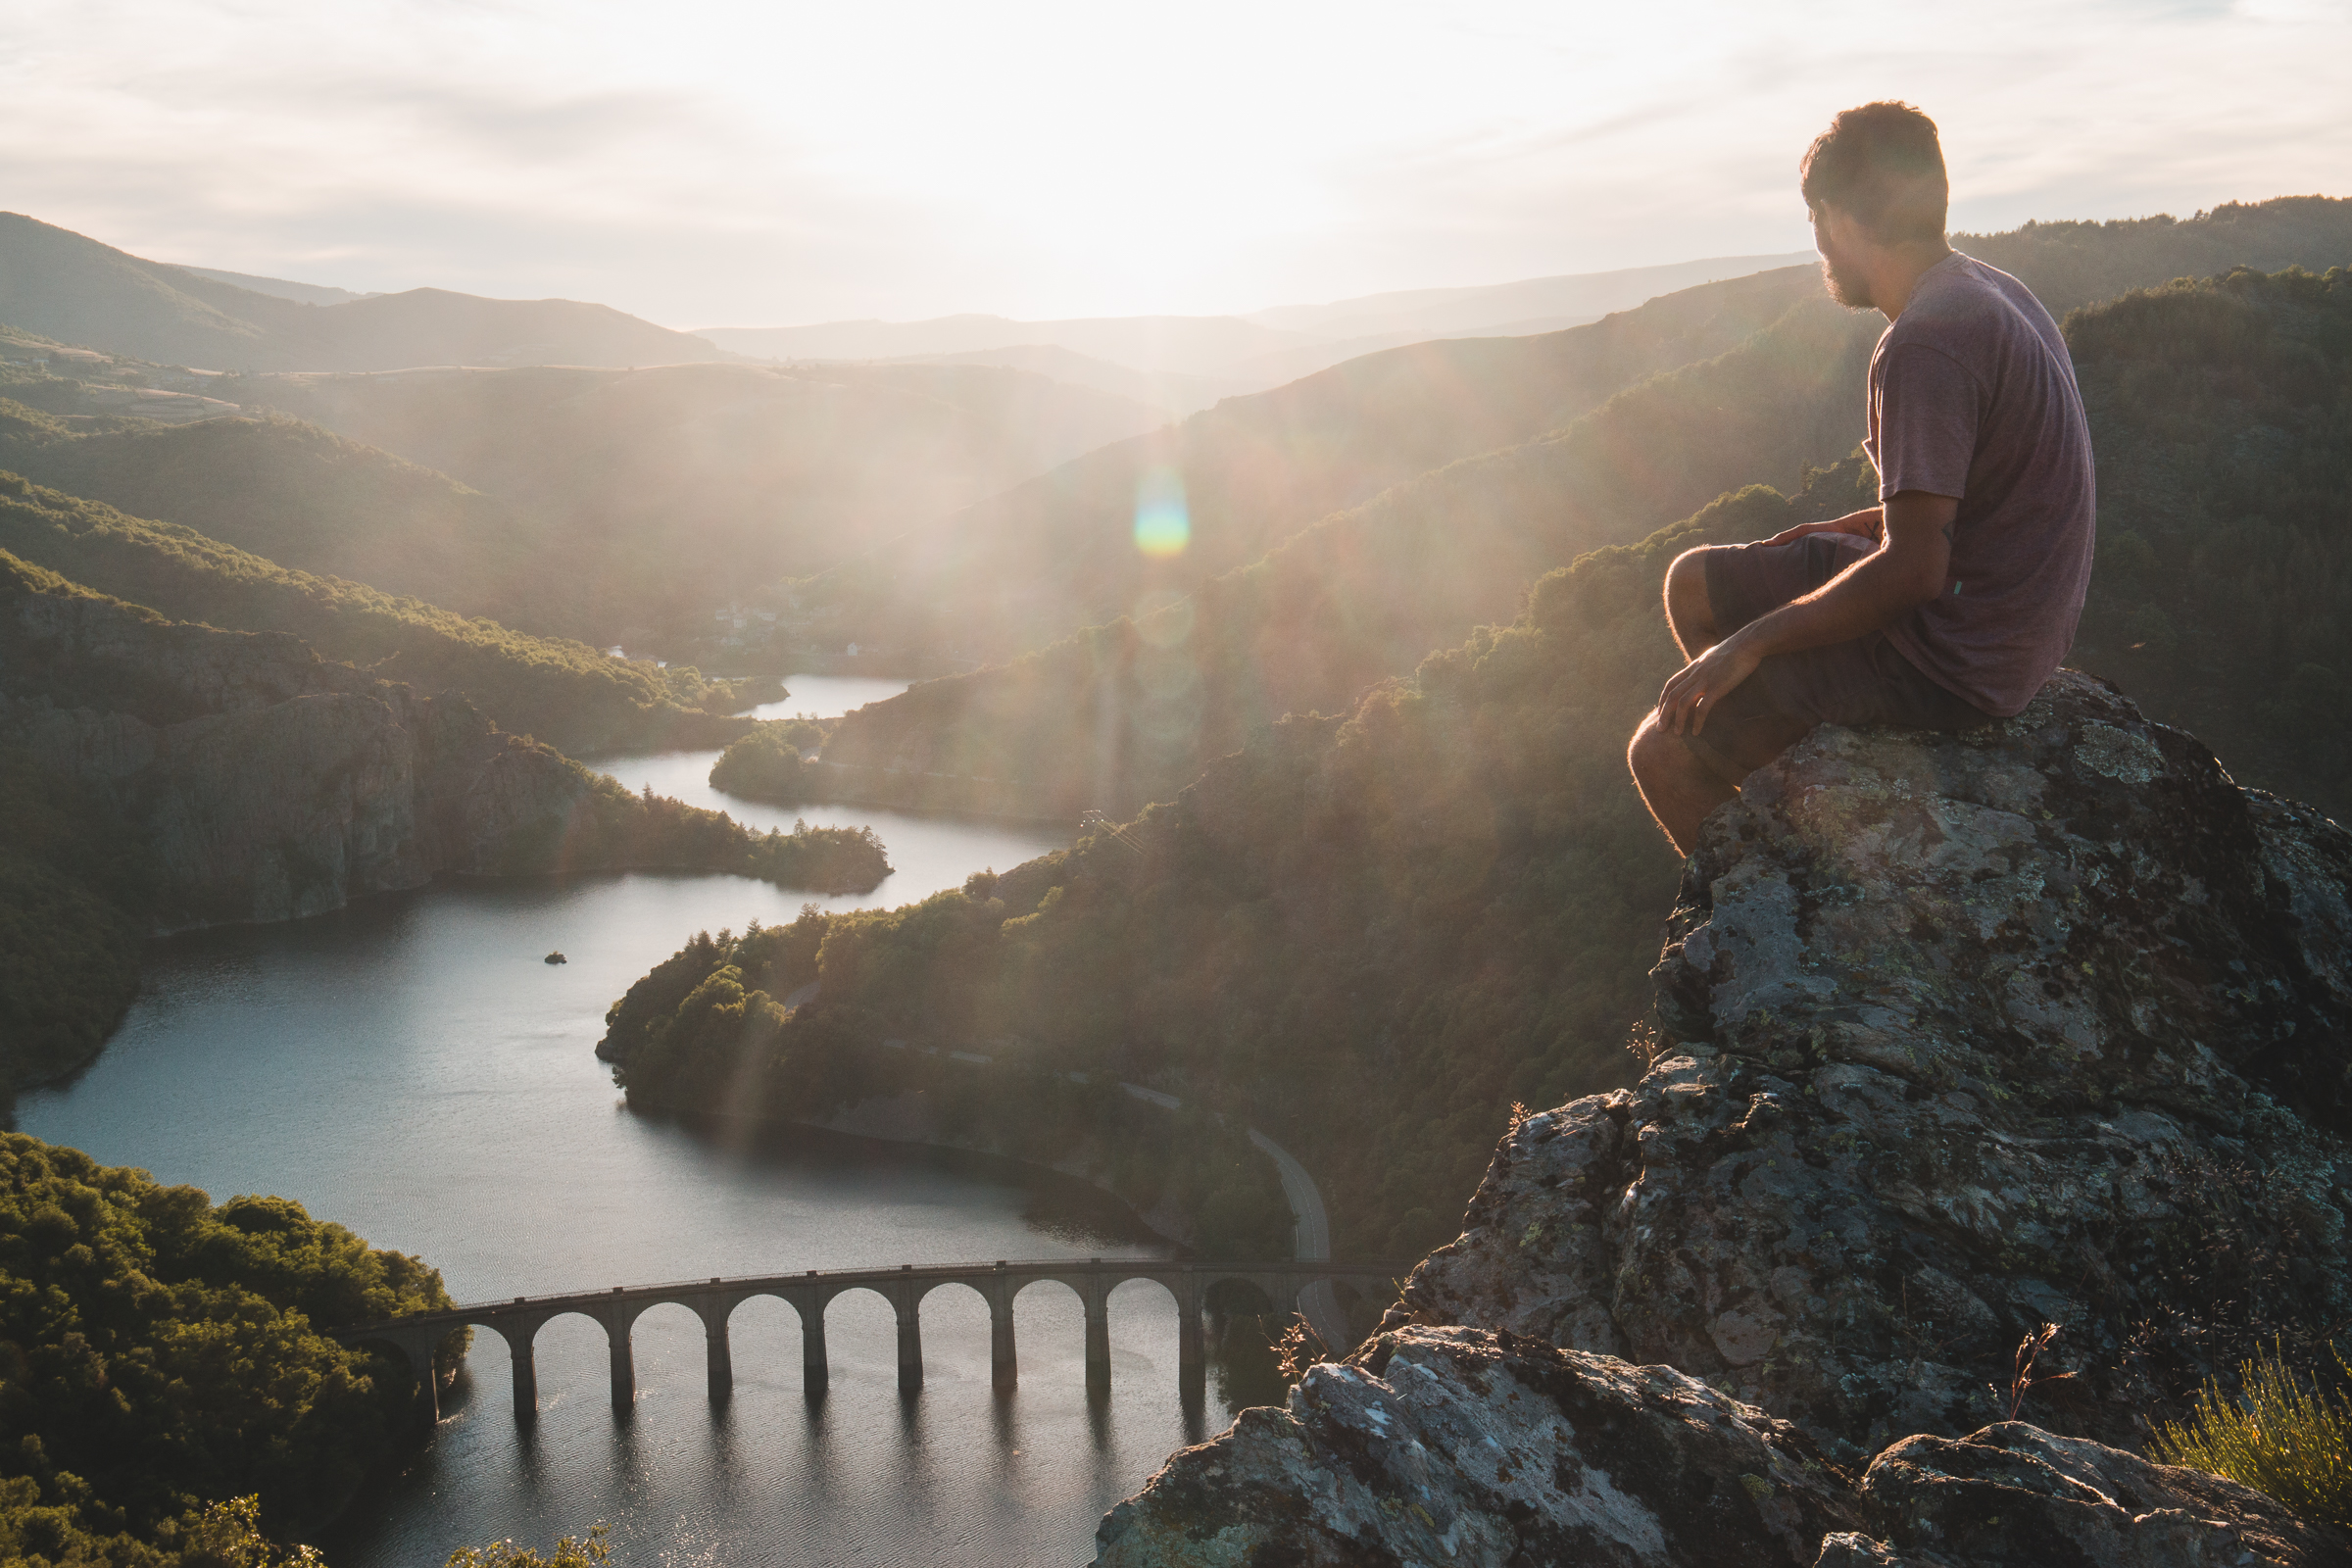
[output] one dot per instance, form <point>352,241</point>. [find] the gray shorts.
<point>1865,681</point>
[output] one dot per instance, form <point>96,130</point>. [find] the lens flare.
<point>1164,524</point>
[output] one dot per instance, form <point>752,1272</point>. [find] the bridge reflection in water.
<point>809,1293</point>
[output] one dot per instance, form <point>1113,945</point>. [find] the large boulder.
<point>1962,1035</point>
<point>1459,1445</point>
<point>2016,1496</point>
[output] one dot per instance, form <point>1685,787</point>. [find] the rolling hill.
<point>1131,710</point>
<point>78,290</point>
<point>1059,551</point>
<point>310,500</point>
<point>563,692</point>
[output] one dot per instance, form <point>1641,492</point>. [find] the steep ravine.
<point>1960,1036</point>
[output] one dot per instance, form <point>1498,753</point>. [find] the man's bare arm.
<point>1905,572</point>
<point>1867,524</point>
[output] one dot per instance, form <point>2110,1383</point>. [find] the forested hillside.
<point>565,693</point>
<point>310,500</point>
<point>155,774</point>
<point>1127,712</point>
<point>1373,933</point>
<point>164,1354</point>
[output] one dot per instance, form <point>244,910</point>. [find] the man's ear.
<point>1839,227</point>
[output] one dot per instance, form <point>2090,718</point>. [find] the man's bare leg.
<point>1689,612</point>
<point>1679,789</point>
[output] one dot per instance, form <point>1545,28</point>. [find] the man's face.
<point>1837,236</point>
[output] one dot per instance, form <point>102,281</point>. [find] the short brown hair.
<point>1882,165</point>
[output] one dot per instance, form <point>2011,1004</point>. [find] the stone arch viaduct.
<point>809,1293</point>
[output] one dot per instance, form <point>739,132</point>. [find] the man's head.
<point>1874,182</point>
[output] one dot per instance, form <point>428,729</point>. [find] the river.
<point>411,1068</point>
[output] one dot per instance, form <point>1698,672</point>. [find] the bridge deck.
<point>1125,1268</point>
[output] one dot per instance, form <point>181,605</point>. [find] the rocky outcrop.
<point>1463,1445</point>
<point>1960,1035</point>
<point>265,783</point>
<point>2016,1496</point>
<point>2044,1023</point>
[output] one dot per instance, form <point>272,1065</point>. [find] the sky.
<point>710,164</point>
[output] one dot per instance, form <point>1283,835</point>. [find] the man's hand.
<point>1869,523</point>
<point>1701,685</point>
<point>1905,572</point>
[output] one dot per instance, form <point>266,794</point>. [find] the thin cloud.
<point>705,164</point>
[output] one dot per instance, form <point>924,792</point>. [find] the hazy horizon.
<point>710,167</point>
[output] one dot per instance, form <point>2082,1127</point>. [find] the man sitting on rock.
<point>1948,604</point>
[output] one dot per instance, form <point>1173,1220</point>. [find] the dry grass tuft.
<point>2276,1435</point>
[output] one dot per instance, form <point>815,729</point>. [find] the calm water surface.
<point>412,1069</point>
<point>828,696</point>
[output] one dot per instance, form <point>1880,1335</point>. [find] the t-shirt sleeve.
<point>1929,404</point>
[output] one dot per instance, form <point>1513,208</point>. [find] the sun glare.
<point>1164,524</point>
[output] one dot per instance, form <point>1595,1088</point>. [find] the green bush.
<point>2276,1435</point>
<point>160,1353</point>
<point>568,1553</point>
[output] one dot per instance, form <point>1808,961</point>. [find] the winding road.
<point>1311,1222</point>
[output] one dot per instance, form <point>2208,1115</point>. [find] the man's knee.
<point>1689,605</point>
<point>1690,570</point>
<point>1650,754</point>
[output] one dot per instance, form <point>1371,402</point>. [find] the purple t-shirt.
<point>1972,394</point>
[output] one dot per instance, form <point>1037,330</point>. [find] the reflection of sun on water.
<point>1164,524</point>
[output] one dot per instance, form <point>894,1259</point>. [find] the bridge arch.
<point>811,1294</point>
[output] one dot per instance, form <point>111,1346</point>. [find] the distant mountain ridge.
<point>1436,312</point>
<point>76,289</point>
<point>1250,353</point>
<point>284,288</point>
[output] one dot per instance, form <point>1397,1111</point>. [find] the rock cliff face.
<point>266,783</point>
<point>1959,1036</point>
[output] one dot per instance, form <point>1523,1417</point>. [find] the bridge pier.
<point>1098,1340</point>
<point>527,1379</point>
<point>624,1365</point>
<point>1004,1361</point>
<point>719,1354</point>
<point>815,1370</point>
<point>910,1345</point>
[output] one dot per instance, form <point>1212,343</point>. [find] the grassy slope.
<point>1373,934</point>
<point>565,693</point>
<point>1114,717</point>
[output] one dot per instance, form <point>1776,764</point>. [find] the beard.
<point>1844,286</point>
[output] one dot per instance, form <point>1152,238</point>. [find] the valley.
<point>516,760</point>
